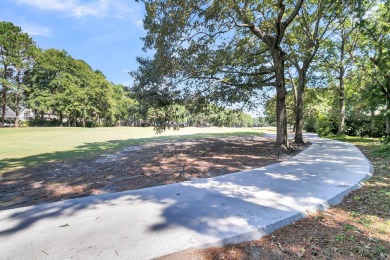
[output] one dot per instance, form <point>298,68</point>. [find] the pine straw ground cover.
<point>358,228</point>
<point>150,164</point>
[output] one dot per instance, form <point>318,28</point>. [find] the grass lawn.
<point>26,147</point>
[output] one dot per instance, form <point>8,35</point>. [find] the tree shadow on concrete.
<point>229,209</point>
<point>291,177</point>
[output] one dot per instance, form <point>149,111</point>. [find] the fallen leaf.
<point>66,225</point>
<point>301,252</point>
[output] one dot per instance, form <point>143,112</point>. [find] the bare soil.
<point>137,167</point>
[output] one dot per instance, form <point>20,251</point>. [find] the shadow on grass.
<point>95,149</point>
<point>163,162</point>
<point>312,238</point>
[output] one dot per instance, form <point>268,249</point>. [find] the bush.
<point>385,139</point>
<point>310,125</point>
<point>43,122</point>
<point>23,123</point>
<point>358,128</point>
<point>326,125</point>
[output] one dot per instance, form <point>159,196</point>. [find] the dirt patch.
<point>138,167</point>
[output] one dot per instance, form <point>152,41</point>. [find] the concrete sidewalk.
<point>153,222</point>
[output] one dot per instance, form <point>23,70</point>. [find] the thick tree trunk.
<point>341,88</point>
<point>341,102</point>
<point>341,107</point>
<point>299,99</point>
<point>61,119</point>
<point>281,113</point>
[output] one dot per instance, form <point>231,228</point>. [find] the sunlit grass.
<point>378,149</point>
<point>357,140</point>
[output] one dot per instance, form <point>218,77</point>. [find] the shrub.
<point>43,122</point>
<point>385,139</point>
<point>358,128</point>
<point>326,125</point>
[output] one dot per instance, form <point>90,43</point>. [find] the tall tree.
<point>51,79</point>
<point>16,51</point>
<point>25,53</point>
<point>376,48</point>
<point>225,49</point>
<point>303,42</point>
<point>345,46</point>
<point>338,54</point>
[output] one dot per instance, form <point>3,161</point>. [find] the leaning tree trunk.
<point>281,113</point>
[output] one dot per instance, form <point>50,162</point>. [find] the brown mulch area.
<point>358,228</point>
<point>137,167</point>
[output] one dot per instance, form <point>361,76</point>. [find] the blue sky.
<point>104,33</point>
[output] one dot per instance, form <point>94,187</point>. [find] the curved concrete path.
<point>153,222</point>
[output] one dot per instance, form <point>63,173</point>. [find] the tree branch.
<point>294,13</point>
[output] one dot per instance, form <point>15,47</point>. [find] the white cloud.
<point>99,8</point>
<point>79,8</point>
<point>36,30</point>
<point>49,4</point>
<point>140,24</point>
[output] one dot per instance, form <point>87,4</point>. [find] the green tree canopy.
<point>222,52</point>
<point>17,51</point>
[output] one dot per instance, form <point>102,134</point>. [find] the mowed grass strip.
<point>27,147</point>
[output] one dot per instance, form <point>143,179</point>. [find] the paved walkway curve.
<point>153,222</point>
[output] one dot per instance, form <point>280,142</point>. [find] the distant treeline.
<point>54,89</point>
